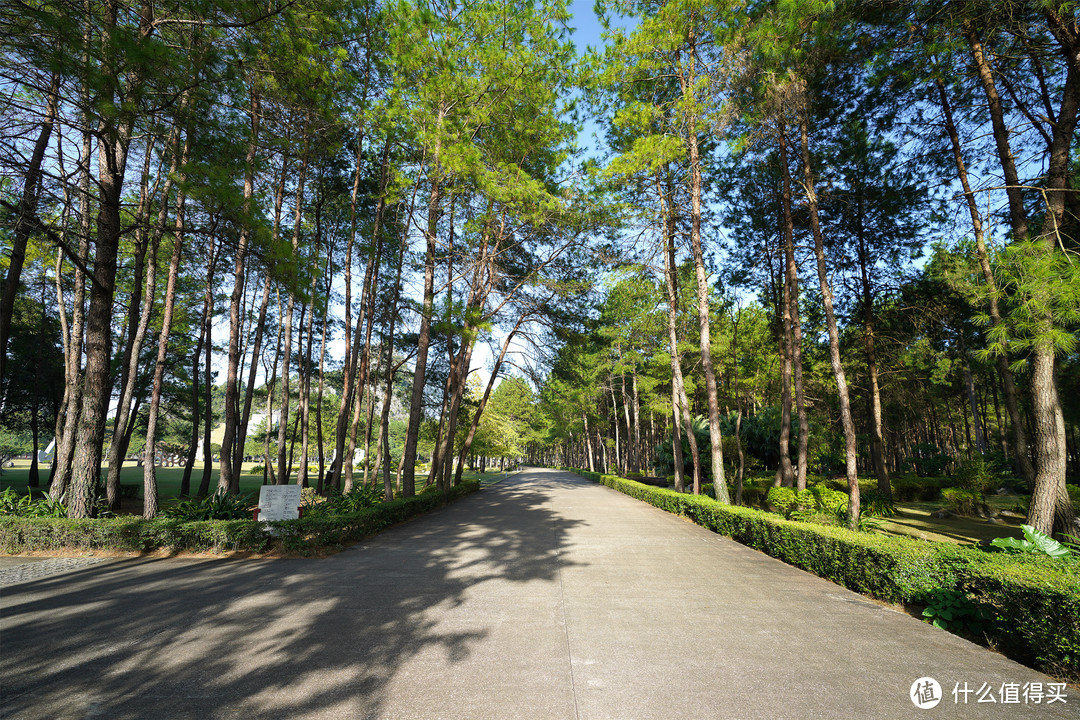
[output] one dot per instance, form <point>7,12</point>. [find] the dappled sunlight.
<point>290,637</point>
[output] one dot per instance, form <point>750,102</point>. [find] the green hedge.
<point>134,534</point>
<point>1035,600</point>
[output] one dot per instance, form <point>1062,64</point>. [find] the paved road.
<point>544,596</point>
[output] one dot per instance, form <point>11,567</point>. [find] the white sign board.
<point>279,502</point>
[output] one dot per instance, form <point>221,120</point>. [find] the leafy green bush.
<point>927,460</point>
<point>954,610</point>
<point>218,506</point>
<point>874,503</point>
<point>339,503</point>
<point>12,503</point>
<point>1034,601</point>
<point>134,534</point>
<point>1074,495</point>
<point>916,489</point>
<point>964,502</point>
<point>752,496</point>
<point>974,475</point>
<point>782,499</point>
<point>1033,542</point>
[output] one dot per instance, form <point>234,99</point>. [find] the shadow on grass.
<point>291,638</point>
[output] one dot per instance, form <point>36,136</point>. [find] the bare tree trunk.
<point>73,339</point>
<point>208,398</point>
<point>408,478</point>
<point>467,445</point>
<point>24,221</point>
<point>738,406</point>
<point>232,389</point>
<point>260,327</point>
<point>1021,452</point>
<point>204,339</point>
<point>285,463</point>
<point>329,273</point>
<point>366,318</point>
<point>391,367</point>
<point>834,334</point>
<point>877,435</point>
<point>785,476</point>
<point>115,135</point>
<point>147,242</point>
<point>150,498</point>
<point>680,402</point>
<point>719,484</point>
<point>588,441</point>
<point>639,461</point>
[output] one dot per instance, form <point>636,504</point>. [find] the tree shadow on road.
<point>289,638</point>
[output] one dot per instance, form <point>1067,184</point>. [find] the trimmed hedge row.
<point>1035,600</point>
<point>134,534</point>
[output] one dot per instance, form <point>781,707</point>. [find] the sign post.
<point>279,502</point>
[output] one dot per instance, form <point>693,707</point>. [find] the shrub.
<point>12,503</point>
<point>338,503</point>
<point>927,460</point>
<point>752,496</point>
<point>1074,495</point>
<point>964,502</point>
<point>1034,542</point>
<point>134,534</point>
<point>974,475</point>
<point>915,489</point>
<point>1034,601</point>
<point>954,610</point>
<point>781,499</point>
<point>218,506</point>
<point>874,503</point>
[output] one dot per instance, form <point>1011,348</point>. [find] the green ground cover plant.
<point>307,535</point>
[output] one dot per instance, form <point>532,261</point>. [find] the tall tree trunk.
<point>785,476</point>
<point>260,327</point>
<point>74,339</point>
<point>25,215</point>
<point>114,133</point>
<point>305,379</point>
<point>736,317</point>
<point>147,241</point>
<point>208,389</point>
<point>475,423</point>
<point>588,442</point>
<point>416,406</point>
<point>793,339</point>
<point>877,435</point>
<point>390,366</point>
<point>1021,453</point>
<point>232,389</point>
<point>284,469</point>
<point>680,401</point>
<point>329,276</point>
<point>639,461</point>
<point>717,447</point>
<point>850,451</point>
<point>189,465</point>
<point>150,498</point>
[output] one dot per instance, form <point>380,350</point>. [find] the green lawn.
<point>915,519</point>
<point>168,478</point>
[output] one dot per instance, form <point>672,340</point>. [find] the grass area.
<point>915,519</point>
<point>168,478</point>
